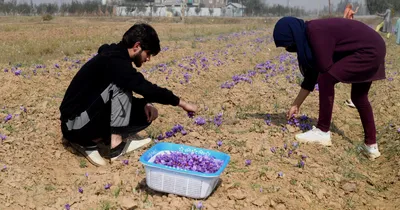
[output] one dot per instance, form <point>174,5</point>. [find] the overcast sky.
<point>308,4</point>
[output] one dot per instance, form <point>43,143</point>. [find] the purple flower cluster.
<point>176,129</point>
<point>7,118</point>
<point>218,120</point>
<point>239,78</point>
<point>189,161</point>
<point>200,121</point>
<point>304,123</point>
<point>190,114</point>
<point>267,119</point>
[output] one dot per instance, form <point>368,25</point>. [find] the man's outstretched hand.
<point>187,106</point>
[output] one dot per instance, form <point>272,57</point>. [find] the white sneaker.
<point>128,146</point>
<point>371,152</point>
<point>315,136</point>
<point>91,154</point>
<point>349,103</point>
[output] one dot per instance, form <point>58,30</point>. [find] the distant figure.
<point>348,12</point>
<point>386,25</point>
<point>397,31</point>
<point>328,54</point>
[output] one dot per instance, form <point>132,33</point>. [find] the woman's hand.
<point>293,111</point>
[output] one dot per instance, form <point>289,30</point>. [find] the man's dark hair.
<point>145,34</point>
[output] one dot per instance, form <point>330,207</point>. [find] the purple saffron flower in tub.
<point>247,162</point>
<point>80,190</point>
<point>107,186</point>
<point>398,130</point>
<point>303,157</point>
<point>5,70</point>
<point>56,65</point>
<point>273,150</point>
<point>125,162</point>
<point>67,206</point>
<point>285,146</point>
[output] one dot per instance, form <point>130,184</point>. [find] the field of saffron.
<point>243,86</point>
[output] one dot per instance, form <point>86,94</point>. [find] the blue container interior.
<point>164,146</point>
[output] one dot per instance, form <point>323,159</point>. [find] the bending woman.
<point>327,53</point>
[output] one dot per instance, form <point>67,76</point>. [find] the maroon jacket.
<point>349,50</point>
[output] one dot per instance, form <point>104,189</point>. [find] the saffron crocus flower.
<point>4,168</point>
<point>56,65</point>
<point>295,144</point>
<point>169,134</point>
<point>183,132</point>
<point>273,150</point>
<point>107,186</point>
<point>3,137</point>
<point>219,143</point>
<point>67,206</point>
<point>247,162</point>
<point>80,190</point>
<point>177,128</point>
<point>86,175</point>
<point>290,152</point>
<point>18,72</point>
<point>303,157</point>
<point>285,146</point>
<point>301,164</point>
<point>22,108</point>
<point>200,121</point>
<point>125,162</point>
<point>280,174</point>
<point>398,130</point>
<point>190,114</point>
<point>160,137</point>
<point>199,205</point>
<point>8,117</point>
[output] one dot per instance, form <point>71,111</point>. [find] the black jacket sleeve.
<point>126,77</point>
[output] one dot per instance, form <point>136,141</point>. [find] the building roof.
<point>237,5</point>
